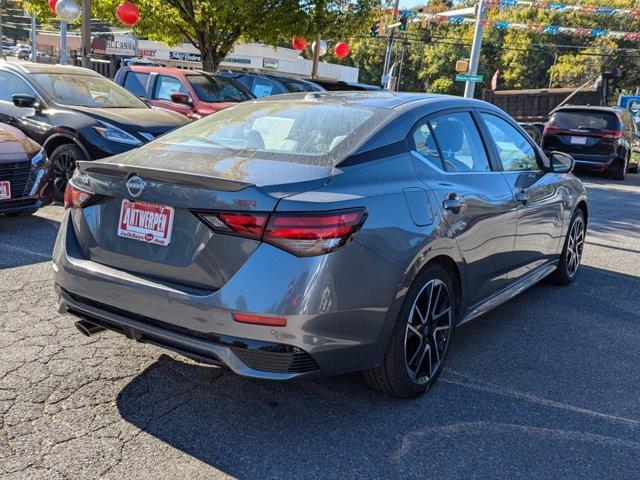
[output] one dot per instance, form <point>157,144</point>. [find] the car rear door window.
<point>514,150</point>
<point>425,144</point>
<point>136,83</point>
<point>460,143</point>
<point>166,85</point>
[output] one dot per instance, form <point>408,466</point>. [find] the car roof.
<point>30,67</point>
<point>375,99</point>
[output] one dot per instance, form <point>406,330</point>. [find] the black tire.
<point>620,171</point>
<point>566,271</point>
<point>23,213</point>
<point>63,163</point>
<point>395,374</point>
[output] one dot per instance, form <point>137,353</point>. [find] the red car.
<point>190,92</point>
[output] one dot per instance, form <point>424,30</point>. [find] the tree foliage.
<point>214,26</point>
<point>525,59</point>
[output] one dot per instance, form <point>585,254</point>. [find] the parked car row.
<point>77,114</point>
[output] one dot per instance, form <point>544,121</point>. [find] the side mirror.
<point>562,162</point>
<point>182,98</point>
<point>24,100</point>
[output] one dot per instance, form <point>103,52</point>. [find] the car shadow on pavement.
<point>528,381</point>
<point>26,240</point>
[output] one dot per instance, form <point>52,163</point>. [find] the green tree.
<point>214,26</point>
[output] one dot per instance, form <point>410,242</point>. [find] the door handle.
<point>522,197</point>
<point>454,203</point>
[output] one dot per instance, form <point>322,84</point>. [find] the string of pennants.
<point>527,27</point>
<point>565,8</point>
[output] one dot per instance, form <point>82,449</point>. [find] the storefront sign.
<point>185,56</point>
<point>271,63</point>
<point>120,47</point>
<point>243,61</point>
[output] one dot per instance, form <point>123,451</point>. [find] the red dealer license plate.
<point>146,222</point>
<point>5,190</point>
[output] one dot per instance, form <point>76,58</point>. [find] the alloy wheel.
<point>62,167</point>
<point>428,331</point>
<point>575,246</point>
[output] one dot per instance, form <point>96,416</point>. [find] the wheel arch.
<point>62,138</point>
<point>446,255</point>
<point>582,205</point>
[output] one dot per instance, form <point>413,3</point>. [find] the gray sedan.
<point>314,234</point>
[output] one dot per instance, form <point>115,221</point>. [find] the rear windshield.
<point>585,120</point>
<point>216,89</point>
<point>290,131</point>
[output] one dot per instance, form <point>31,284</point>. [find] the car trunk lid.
<point>158,184</point>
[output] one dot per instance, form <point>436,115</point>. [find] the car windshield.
<point>86,91</point>
<point>585,120</point>
<point>290,131</point>
<point>214,89</point>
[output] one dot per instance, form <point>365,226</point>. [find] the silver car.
<point>314,234</point>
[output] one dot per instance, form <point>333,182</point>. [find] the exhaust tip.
<point>87,328</point>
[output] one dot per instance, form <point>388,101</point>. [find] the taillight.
<point>550,130</point>
<point>306,234</point>
<point>303,234</point>
<point>612,134</point>
<point>243,224</point>
<point>76,197</point>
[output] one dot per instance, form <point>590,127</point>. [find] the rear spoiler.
<point>160,175</point>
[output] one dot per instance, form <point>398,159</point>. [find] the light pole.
<point>316,58</point>
<point>86,33</point>
<point>1,41</point>
<point>34,49</point>
<point>63,42</point>
<point>476,47</point>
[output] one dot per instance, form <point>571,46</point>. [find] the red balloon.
<point>52,5</point>
<point>128,13</point>
<point>341,50</point>
<point>298,43</point>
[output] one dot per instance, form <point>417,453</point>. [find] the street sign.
<point>465,77</point>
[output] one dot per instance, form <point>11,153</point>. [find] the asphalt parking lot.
<point>547,386</point>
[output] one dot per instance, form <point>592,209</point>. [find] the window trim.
<point>496,167</point>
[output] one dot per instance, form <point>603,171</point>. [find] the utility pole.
<point>86,33</point>
<point>404,49</point>
<point>476,47</point>
<point>389,51</point>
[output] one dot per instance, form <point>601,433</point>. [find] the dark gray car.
<point>315,234</point>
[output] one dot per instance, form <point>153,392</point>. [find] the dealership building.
<point>245,56</point>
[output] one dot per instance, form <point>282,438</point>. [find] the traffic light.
<point>373,32</point>
<point>403,21</point>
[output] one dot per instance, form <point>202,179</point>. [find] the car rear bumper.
<point>334,325</point>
